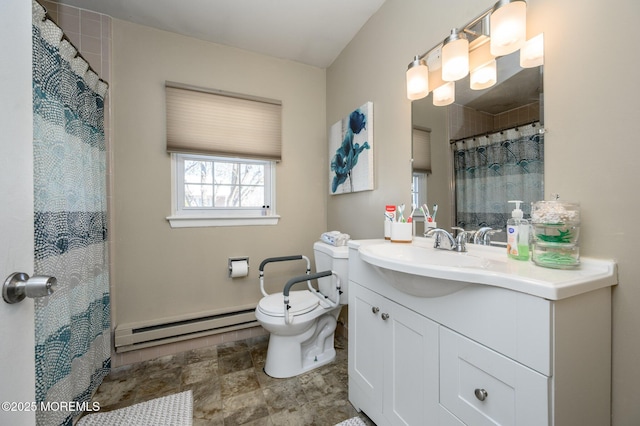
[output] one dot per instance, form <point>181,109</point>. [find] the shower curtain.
<point>72,347</point>
<point>491,170</point>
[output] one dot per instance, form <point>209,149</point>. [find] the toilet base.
<point>289,356</point>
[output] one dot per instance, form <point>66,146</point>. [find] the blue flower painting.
<point>351,152</point>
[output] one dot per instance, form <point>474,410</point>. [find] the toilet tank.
<point>328,257</point>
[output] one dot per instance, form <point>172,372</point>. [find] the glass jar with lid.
<point>556,232</point>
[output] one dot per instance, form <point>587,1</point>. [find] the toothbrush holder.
<point>401,232</point>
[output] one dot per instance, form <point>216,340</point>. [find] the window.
<point>224,147</point>
<point>421,149</point>
<point>218,191</point>
<point>215,183</point>
<point>419,189</point>
<point>421,159</point>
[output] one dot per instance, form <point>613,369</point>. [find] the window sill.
<point>208,221</point>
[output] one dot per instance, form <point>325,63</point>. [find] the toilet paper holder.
<point>237,259</point>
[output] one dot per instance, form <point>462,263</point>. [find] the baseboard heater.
<point>130,337</point>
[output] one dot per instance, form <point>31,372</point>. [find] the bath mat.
<point>174,410</point>
<point>354,421</point>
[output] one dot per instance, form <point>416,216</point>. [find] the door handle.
<point>18,285</point>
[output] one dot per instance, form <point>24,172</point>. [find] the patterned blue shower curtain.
<point>491,170</point>
<point>72,347</point>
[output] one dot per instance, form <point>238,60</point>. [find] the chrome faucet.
<point>457,244</point>
<point>483,235</point>
<point>478,237</point>
<point>459,233</point>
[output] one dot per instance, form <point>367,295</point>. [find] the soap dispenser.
<point>517,234</point>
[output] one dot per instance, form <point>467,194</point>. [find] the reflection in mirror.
<point>486,148</point>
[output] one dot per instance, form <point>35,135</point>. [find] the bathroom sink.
<point>421,270</point>
<point>415,257</point>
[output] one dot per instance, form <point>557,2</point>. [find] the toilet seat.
<point>300,303</point>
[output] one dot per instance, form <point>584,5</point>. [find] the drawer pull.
<point>375,309</point>
<point>385,316</point>
<point>481,394</point>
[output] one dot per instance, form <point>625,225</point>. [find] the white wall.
<point>591,115</point>
<point>17,340</point>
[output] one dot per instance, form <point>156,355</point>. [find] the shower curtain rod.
<point>68,40</point>
<point>78,54</point>
<point>493,132</point>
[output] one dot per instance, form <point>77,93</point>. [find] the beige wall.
<point>591,117</point>
<point>162,272</point>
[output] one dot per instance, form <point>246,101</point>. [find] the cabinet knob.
<point>384,316</point>
<point>481,394</point>
<point>375,309</point>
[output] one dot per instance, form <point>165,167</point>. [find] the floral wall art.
<point>351,152</point>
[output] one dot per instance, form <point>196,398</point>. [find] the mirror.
<point>502,112</point>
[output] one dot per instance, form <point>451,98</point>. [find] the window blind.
<point>421,146</point>
<point>213,122</point>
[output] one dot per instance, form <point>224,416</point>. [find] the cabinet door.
<point>366,339</point>
<point>483,387</point>
<point>410,367</point>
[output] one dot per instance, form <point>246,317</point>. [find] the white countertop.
<point>487,266</point>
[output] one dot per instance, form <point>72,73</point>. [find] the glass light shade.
<point>508,26</point>
<point>445,94</point>
<point>484,76</point>
<point>455,57</point>
<point>417,79</point>
<point>532,53</point>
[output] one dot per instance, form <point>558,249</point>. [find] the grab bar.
<point>308,278</point>
<point>281,259</point>
<point>302,278</point>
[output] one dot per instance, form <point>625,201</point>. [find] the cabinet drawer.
<point>445,418</point>
<point>482,387</point>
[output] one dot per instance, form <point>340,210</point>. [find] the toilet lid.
<point>301,302</point>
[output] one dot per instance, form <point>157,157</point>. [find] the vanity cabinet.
<point>480,355</point>
<point>393,359</point>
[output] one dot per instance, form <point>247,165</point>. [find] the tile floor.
<point>230,388</point>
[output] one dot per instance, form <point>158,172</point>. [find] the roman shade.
<point>421,150</point>
<point>213,122</point>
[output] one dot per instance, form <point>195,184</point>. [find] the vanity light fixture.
<point>508,26</point>
<point>417,79</point>
<point>455,56</point>
<point>484,76</point>
<point>445,94</point>
<point>498,31</point>
<point>532,53</point>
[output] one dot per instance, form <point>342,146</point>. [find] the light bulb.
<point>445,94</point>
<point>532,53</point>
<point>455,56</point>
<point>417,79</point>
<point>508,26</point>
<point>484,76</point>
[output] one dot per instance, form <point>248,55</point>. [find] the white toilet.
<point>304,340</point>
